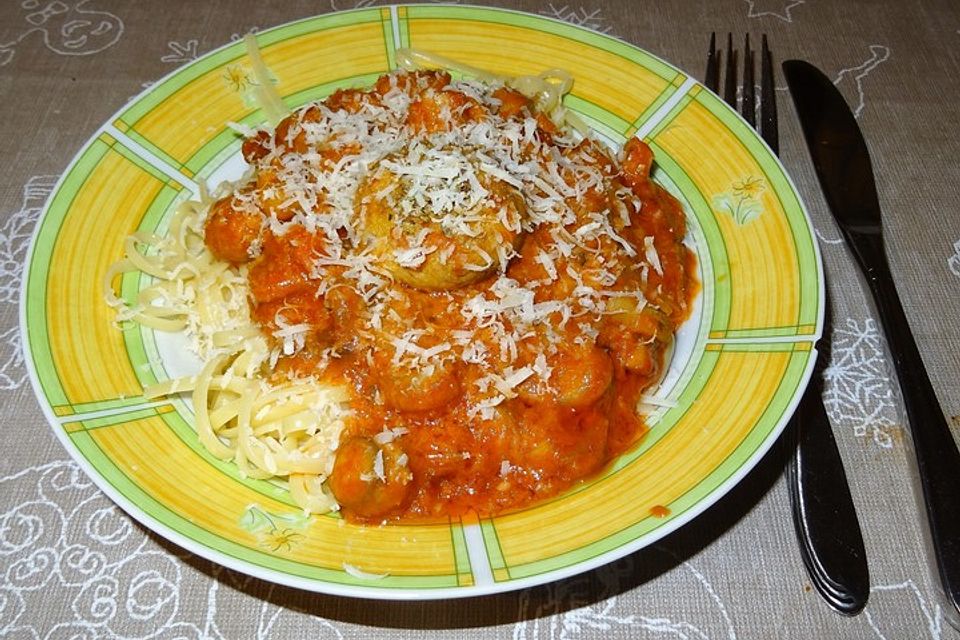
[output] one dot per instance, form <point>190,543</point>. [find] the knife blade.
<point>842,162</point>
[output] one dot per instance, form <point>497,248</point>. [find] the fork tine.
<point>730,82</point>
<point>748,106</point>
<point>710,77</point>
<point>768,100</point>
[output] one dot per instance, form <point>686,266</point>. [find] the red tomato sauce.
<point>448,434</point>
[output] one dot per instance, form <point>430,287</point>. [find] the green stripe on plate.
<point>102,405</point>
<point>492,544</point>
<point>404,28</point>
<point>460,554</point>
<point>161,208</point>
<point>37,330</point>
<point>124,151</point>
<point>698,380</point>
<point>769,332</point>
<point>227,142</point>
<point>386,24</point>
<point>145,142</point>
<point>119,418</point>
<point>160,513</point>
<point>656,104</point>
<point>234,52</point>
<point>183,429</point>
<point>705,301</point>
<point>205,158</point>
<point>596,112</point>
<point>716,245</point>
<point>317,24</point>
<point>765,426</point>
<point>546,25</point>
<point>801,231</point>
<point>762,347</point>
<point>669,117</point>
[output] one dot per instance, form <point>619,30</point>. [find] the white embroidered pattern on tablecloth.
<point>75,566</point>
<point>15,235</point>
<point>67,29</point>
<point>12,372</point>
<point>878,54</point>
<point>779,9</point>
<point>14,242</point>
<point>953,262</point>
<point>857,387</point>
<point>564,610</point>
<point>580,16</point>
<point>181,52</point>
<point>892,628</point>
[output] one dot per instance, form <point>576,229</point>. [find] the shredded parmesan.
<point>650,253</point>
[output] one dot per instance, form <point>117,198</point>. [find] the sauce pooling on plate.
<point>496,292</point>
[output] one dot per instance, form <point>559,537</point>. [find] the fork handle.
<point>825,519</point>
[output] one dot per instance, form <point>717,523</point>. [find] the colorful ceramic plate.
<point>740,365</point>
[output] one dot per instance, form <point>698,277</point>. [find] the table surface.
<point>735,572</point>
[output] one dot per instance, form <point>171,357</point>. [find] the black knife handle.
<point>938,460</point>
<point>825,518</point>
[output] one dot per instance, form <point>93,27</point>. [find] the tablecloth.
<point>735,572</point>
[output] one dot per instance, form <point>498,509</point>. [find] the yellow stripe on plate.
<point>217,503</point>
<point>193,115</point>
<point>83,338</point>
<point>764,272</point>
<point>600,76</point>
<point>318,58</point>
<point>711,430</point>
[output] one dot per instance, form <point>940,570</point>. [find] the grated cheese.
<point>650,253</point>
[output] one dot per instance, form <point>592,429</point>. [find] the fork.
<point>824,516</point>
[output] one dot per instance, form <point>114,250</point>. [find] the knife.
<point>842,163</point>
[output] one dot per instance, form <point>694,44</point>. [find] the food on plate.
<point>426,298</point>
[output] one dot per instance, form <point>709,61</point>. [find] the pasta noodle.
<point>283,429</point>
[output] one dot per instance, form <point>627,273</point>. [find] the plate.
<point>739,368</point>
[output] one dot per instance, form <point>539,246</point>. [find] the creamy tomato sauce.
<point>497,294</point>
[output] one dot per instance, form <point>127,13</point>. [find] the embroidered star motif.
<point>779,9</point>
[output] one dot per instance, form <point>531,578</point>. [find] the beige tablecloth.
<point>735,572</point>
